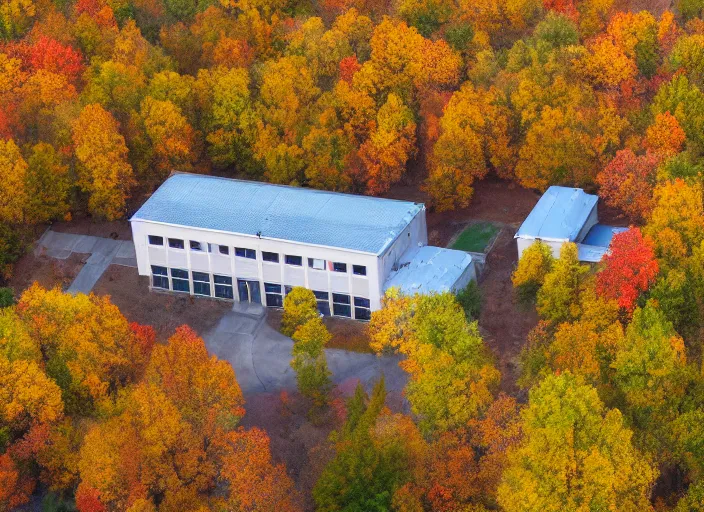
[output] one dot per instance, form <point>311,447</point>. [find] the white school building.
<point>250,241</point>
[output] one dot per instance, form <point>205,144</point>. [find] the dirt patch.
<point>494,200</point>
<point>84,225</point>
<point>46,271</point>
<point>503,322</point>
<point>347,334</point>
<point>164,311</point>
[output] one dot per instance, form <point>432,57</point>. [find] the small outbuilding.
<point>431,269</point>
<point>564,215</point>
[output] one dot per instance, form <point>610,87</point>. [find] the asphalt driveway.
<point>261,355</point>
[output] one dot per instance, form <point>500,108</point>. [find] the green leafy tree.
<point>575,455</point>
<point>309,361</point>
<point>366,469</point>
<point>558,298</point>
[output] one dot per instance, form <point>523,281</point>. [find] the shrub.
<point>471,301</point>
<point>535,263</point>
<point>300,306</point>
<point>309,361</point>
<point>7,298</point>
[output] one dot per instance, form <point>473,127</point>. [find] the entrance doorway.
<point>249,291</point>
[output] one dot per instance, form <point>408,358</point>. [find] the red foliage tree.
<point>88,500</point>
<point>627,182</point>
<point>348,67</point>
<point>628,269</point>
<point>52,56</point>
<point>566,7</point>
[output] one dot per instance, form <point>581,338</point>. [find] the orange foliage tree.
<point>627,182</point>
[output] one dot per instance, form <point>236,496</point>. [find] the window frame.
<point>267,255</point>
<point>300,260</point>
<point>180,280</point>
<point>221,286</point>
<point>201,282</point>
<point>226,251</point>
<point>161,277</point>
<point>311,264</point>
<point>337,304</point>
<point>151,238</point>
<point>276,296</point>
<point>342,265</point>
<point>177,242</point>
<point>249,254</point>
<point>362,308</point>
<point>195,245</point>
<point>323,301</point>
<point>356,267</point>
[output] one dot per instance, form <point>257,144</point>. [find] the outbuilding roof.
<point>428,269</point>
<point>559,215</point>
<point>359,223</point>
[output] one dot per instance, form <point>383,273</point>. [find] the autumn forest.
<point>100,100</point>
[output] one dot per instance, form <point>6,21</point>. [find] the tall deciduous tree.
<point>452,379</point>
<point>558,298</point>
<point>309,361</point>
<point>103,171</point>
<point>628,181</point>
<point>629,268</point>
<point>575,454</point>
<point>13,191</point>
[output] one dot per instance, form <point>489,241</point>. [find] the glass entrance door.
<point>249,291</point>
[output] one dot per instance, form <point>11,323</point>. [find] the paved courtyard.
<point>103,252</point>
<point>261,355</point>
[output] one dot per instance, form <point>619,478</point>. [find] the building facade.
<point>254,242</point>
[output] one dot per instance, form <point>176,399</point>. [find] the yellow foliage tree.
<point>13,192</point>
<point>103,170</point>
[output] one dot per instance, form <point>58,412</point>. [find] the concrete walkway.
<point>261,356</point>
<point>103,252</point>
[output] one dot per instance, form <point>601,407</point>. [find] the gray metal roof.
<point>428,269</point>
<point>359,223</point>
<point>559,215</point>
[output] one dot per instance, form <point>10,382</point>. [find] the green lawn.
<point>475,237</point>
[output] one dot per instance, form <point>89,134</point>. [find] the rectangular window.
<point>339,267</point>
<point>271,257</point>
<point>223,287</point>
<point>246,253</point>
<point>296,261</point>
<point>274,299</point>
<point>201,283</point>
<point>179,280</point>
<point>316,264</point>
<point>323,302</point>
<point>361,308</point>
<point>341,305</point>
<point>223,249</point>
<point>156,240</point>
<point>160,277</point>
<point>359,270</point>
<point>175,243</point>
<point>195,246</point>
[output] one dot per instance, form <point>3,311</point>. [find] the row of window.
<point>271,257</point>
<point>274,293</point>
